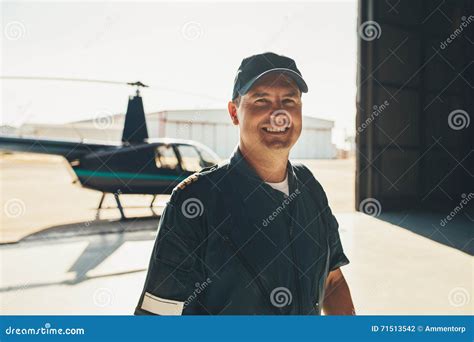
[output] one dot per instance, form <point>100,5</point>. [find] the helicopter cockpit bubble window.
<point>165,157</point>
<point>190,159</point>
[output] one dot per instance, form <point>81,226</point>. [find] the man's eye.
<point>261,101</point>
<point>289,101</point>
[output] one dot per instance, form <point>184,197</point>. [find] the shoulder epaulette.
<point>191,179</point>
<point>185,182</point>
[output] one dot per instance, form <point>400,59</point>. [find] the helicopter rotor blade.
<point>137,84</point>
<point>39,78</point>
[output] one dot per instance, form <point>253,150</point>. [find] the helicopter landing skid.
<point>119,205</point>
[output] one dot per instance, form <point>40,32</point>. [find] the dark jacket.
<point>228,243</point>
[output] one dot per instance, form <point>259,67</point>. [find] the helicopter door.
<point>190,158</point>
<point>208,158</point>
<point>165,158</point>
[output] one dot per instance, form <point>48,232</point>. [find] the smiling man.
<point>256,234</point>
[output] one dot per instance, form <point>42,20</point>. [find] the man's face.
<point>269,115</point>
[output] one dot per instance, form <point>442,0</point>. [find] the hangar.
<point>211,127</point>
<point>415,59</point>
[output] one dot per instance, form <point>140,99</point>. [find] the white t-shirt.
<point>282,186</point>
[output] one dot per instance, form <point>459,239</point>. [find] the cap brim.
<point>294,75</point>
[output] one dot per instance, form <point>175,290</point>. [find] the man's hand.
<point>337,298</point>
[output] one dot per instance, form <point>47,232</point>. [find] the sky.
<point>188,52</point>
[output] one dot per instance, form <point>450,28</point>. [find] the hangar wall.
<point>211,127</point>
<point>414,129</point>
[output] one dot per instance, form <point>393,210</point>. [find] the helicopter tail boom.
<point>70,150</point>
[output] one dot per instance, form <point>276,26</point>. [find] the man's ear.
<point>232,108</point>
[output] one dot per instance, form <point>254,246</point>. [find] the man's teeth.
<point>276,129</point>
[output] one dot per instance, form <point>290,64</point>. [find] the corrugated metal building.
<point>211,127</point>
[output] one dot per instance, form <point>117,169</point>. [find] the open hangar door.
<point>415,104</point>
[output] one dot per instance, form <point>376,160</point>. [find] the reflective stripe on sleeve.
<point>162,306</point>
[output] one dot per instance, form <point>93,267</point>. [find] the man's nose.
<point>277,105</point>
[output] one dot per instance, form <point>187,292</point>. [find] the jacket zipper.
<point>295,270</point>
<point>252,273</point>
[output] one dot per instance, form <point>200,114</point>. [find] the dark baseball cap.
<point>254,67</point>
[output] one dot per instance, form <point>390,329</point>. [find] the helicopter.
<point>139,165</point>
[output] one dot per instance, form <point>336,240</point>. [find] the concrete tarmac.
<point>58,255</point>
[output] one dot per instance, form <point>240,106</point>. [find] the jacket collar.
<point>239,164</point>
